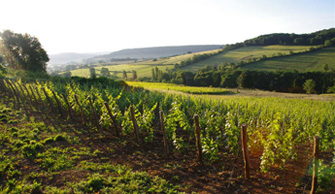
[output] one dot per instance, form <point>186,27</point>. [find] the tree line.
<point>321,37</point>
<point>280,81</point>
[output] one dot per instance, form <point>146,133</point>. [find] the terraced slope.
<point>314,61</point>
<point>244,54</point>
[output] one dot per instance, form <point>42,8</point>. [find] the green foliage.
<point>134,77</point>
<point>309,86</point>
<point>126,182</point>
<point>315,38</point>
<point>23,52</point>
<point>105,72</point>
<point>276,126</point>
<point>92,73</point>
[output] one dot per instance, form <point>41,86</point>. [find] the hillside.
<point>64,58</point>
<point>314,61</point>
<point>153,52</point>
<point>244,54</point>
<point>143,68</point>
<point>262,47</point>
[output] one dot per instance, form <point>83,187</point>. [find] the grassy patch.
<point>180,88</point>
<point>37,158</point>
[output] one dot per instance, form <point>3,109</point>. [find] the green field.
<point>44,149</point>
<point>313,61</point>
<point>179,88</point>
<point>245,53</point>
<point>143,68</point>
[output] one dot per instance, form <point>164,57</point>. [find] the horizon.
<point>109,26</point>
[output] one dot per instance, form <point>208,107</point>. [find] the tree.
<point>92,73</point>
<point>309,86</point>
<point>23,52</point>
<point>331,89</point>
<point>134,75</point>
<point>67,74</point>
<point>105,72</point>
<point>125,77</point>
<point>330,42</point>
<point>326,67</point>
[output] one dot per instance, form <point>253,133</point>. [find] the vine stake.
<point>245,151</point>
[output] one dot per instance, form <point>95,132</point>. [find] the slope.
<point>143,68</point>
<point>154,52</point>
<point>244,54</point>
<point>314,61</point>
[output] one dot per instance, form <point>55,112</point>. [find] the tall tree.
<point>134,75</point>
<point>23,51</point>
<point>92,73</point>
<point>105,72</point>
<point>309,86</point>
<point>125,77</point>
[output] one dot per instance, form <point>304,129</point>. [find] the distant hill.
<point>153,52</point>
<point>315,38</point>
<point>262,47</point>
<point>65,58</point>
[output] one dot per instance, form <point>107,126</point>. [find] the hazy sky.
<point>109,25</point>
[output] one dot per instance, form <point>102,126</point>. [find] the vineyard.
<point>280,132</point>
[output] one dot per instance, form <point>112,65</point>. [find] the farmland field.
<point>180,88</point>
<point>143,68</point>
<point>244,53</point>
<point>89,143</point>
<point>226,93</point>
<point>313,61</point>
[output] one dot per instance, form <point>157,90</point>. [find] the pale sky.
<point>110,25</point>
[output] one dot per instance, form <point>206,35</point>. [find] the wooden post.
<point>95,117</point>
<point>23,96</point>
<point>315,165</point>
<point>33,94</point>
<point>161,118</point>
<point>28,94</point>
<point>7,91</point>
<point>48,98</point>
<point>3,85</point>
<point>39,96</point>
<point>113,119</point>
<point>58,104</point>
<point>198,138</point>
<point>69,109</point>
<point>136,134</point>
<point>245,151</point>
<point>3,89</point>
<point>14,93</point>
<point>32,101</point>
<point>81,109</point>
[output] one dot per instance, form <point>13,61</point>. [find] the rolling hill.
<point>314,61</point>
<point>143,68</point>
<point>64,58</point>
<point>264,47</point>
<point>244,54</point>
<point>153,52</point>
